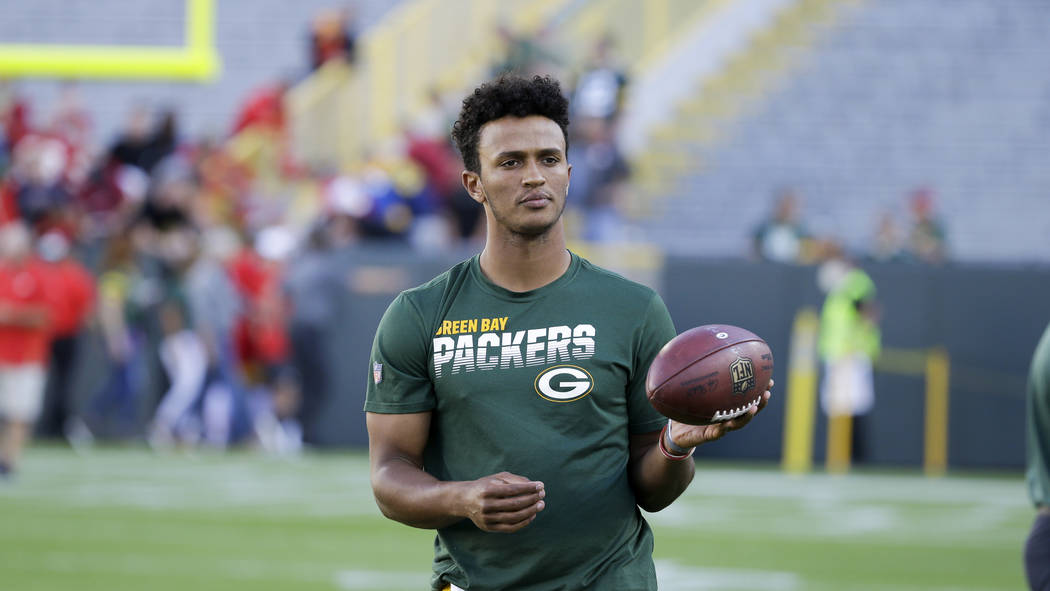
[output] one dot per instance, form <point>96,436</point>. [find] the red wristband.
<point>667,453</point>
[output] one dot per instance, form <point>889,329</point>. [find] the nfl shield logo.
<point>377,372</point>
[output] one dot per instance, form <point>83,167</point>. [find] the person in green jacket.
<point>849,344</point>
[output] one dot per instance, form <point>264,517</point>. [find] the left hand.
<point>685,435</point>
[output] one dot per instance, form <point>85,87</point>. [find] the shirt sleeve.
<point>1037,419</point>
<point>655,330</point>
<point>399,378</point>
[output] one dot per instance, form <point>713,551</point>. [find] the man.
<point>1037,548</point>
<point>70,291</point>
<point>850,342</point>
<point>507,403</point>
<point>25,322</point>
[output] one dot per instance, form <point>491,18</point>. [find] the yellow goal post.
<point>196,60</point>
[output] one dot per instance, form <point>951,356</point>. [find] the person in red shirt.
<point>70,291</point>
<point>25,332</point>
<point>264,108</point>
<point>260,335</point>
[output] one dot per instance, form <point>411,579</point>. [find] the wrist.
<point>670,449</point>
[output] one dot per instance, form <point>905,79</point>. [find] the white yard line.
<point>372,579</point>
<point>690,578</point>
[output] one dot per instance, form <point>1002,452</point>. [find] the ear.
<point>472,183</point>
<point>568,178</point>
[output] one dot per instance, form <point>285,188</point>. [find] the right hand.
<point>503,502</point>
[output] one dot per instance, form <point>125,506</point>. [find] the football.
<point>709,374</point>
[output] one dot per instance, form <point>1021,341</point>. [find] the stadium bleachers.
<point>258,41</point>
<point>890,96</point>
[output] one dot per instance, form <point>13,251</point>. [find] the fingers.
<point>506,502</point>
<point>509,521</point>
<point>505,487</point>
<point>690,435</point>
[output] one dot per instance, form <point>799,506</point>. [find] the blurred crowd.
<point>919,237</point>
<point>194,277</point>
<point>152,250</point>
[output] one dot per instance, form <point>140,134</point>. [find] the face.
<point>524,175</point>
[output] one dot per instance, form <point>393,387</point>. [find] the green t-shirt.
<point>547,384</point>
<point>1038,424</point>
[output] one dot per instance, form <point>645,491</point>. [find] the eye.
<point>508,163</point>
<point>551,160</point>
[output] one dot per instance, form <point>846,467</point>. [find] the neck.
<point>520,263</point>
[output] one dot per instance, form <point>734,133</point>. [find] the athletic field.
<point>115,519</point>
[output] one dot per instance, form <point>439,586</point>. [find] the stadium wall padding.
<point>987,318</point>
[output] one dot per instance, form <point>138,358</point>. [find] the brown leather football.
<point>709,374</point>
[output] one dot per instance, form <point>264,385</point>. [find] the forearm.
<point>658,480</point>
<point>23,316</point>
<point>408,494</point>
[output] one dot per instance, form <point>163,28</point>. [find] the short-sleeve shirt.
<point>548,384</point>
<point>1037,419</point>
<point>23,288</point>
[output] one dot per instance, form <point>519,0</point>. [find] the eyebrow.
<point>522,153</point>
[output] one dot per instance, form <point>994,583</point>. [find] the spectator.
<point>70,289</point>
<point>124,294</point>
<point>274,412</point>
<point>333,36</point>
<point>600,87</point>
<point>25,326</point>
<point>111,191</point>
<point>164,228</point>
<point>262,338</point>
<point>782,238</point>
<point>849,343</point>
<point>214,307</point>
<point>315,289</point>
<point>14,114</point>
<point>524,54</point>
<point>144,144</point>
<point>186,364</point>
<point>71,119</point>
<point>260,334</point>
<point>887,244</point>
<point>38,173</point>
<point>926,237</point>
<point>263,109</point>
<point>599,174</point>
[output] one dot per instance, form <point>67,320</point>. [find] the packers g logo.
<point>564,383</point>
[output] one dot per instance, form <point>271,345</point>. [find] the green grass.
<point>114,519</point>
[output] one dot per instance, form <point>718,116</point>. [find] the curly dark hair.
<point>507,95</point>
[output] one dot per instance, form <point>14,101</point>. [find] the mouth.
<point>536,199</point>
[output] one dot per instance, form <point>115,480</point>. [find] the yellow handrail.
<point>801,394</point>
<point>799,418</point>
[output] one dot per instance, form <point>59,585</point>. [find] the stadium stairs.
<point>856,104</point>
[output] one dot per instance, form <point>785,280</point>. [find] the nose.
<point>533,175</point>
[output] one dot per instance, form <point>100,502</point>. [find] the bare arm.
<point>24,315</point>
<point>657,481</point>
<point>405,492</point>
